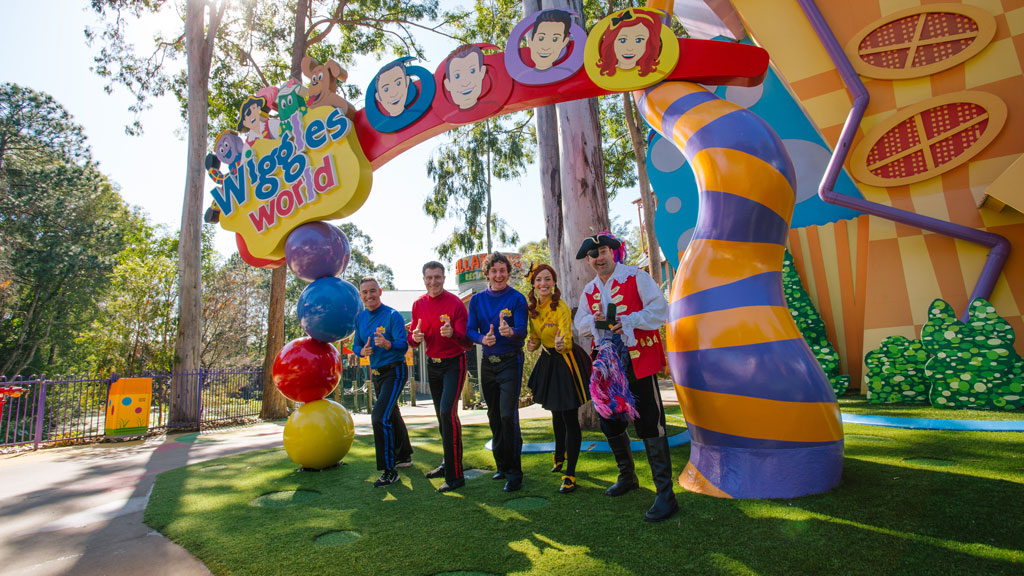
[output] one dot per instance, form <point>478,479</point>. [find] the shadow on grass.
<point>885,518</point>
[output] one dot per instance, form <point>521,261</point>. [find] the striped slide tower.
<point>763,419</point>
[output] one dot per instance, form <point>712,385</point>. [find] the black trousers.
<point>651,422</point>
<point>501,382</point>
<point>446,379</point>
<point>390,437</point>
<point>568,437</point>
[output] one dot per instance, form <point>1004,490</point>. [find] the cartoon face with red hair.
<point>632,41</point>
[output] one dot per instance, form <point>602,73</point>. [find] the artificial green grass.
<point>859,405</point>
<point>911,502</point>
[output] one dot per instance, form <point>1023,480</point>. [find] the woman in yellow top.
<point>560,379</point>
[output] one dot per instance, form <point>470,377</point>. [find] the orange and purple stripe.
<point>763,419</point>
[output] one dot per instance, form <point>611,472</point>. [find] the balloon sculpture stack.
<point>306,370</point>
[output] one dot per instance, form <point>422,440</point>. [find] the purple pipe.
<point>1000,246</point>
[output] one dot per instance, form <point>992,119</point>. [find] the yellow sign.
<point>128,406</point>
<point>315,171</point>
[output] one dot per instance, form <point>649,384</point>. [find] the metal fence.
<point>65,410</point>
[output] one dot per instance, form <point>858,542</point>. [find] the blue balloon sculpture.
<point>327,309</point>
<point>317,250</point>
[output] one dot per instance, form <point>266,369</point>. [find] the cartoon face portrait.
<point>549,37</point>
<point>630,44</point>
<point>393,89</point>
<point>632,41</point>
<point>464,76</point>
<point>250,115</point>
<point>228,147</point>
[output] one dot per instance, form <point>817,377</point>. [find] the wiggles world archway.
<point>763,418</point>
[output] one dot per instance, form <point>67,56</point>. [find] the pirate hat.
<point>596,241</point>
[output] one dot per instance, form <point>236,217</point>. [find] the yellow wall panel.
<point>928,198</point>
<point>998,61</point>
<point>910,92</point>
<point>1015,21</point>
<point>829,109</point>
<point>794,47</point>
<point>922,286</point>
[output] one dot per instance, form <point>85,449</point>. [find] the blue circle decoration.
<point>417,102</point>
<point>566,67</point>
<point>317,250</point>
<point>126,401</point>
<point>327,309</point>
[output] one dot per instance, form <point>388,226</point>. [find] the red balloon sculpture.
<point>306,370</point>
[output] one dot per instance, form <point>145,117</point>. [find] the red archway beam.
<point>707,62</point>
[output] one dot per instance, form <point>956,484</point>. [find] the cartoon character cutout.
<point>291,107</point>
<point>229,149</point>
<point>549,38</point>
<point>553,52</point>
<point>323,85</point>
<point>395,100</point>
<point>632,41</point>
<point>464,76</point>
<point>392,84</point>
<point>630,49</point>
<point>445,319</point>
<point>254,116</point>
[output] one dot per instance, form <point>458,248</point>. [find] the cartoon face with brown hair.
<point>464,76</point>
<point>392,89</point>
<point>549,37</point>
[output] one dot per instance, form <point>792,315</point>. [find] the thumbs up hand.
<point>446,329</point>
<point>381,341</point>
<point>559,341</point>
<point>532,343</point>
<point>417,335</point>
<point>368,349</point>
<point>504,329</point>
<point>489,338</point>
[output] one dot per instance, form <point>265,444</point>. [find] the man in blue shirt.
<point>497,320</point>
<point>380,336</point>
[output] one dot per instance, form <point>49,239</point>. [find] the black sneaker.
<point>499,475</point>
<point>454,485</point>
<point>436,472</point>
<point>513,485</point>
<point>387,478</point>
<point>404,463</point>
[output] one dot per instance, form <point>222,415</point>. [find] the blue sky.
<point>150,168</point>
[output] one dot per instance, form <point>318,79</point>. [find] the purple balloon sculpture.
<point>317,250</point>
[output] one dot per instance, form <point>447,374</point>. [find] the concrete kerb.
<point>78,510</point>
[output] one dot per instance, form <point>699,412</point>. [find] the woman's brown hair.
<point>555,296</point>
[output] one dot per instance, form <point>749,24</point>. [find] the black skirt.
<point>561,382</point>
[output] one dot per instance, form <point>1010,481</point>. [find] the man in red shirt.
<point>439,321</point>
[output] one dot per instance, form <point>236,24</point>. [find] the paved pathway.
<point>78,510</point>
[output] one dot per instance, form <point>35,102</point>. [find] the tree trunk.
<point>185,405</point>
<point>646,196</point>
<point>582,184</point>
<point>274,407</point>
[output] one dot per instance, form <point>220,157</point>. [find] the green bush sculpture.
<point>973,365</point>
<point>811,326</point>
<point>896,372</point>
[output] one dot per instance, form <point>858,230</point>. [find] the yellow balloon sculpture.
<point>319,434</point>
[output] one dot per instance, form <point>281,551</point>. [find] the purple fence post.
<point>40,408</point>
<point>199,399</point>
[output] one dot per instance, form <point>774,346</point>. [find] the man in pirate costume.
<point>497,320</point>
<point>640,310</point>
<point>439,321</point>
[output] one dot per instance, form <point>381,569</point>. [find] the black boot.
<point>624,460</point>
<point>658,456</point>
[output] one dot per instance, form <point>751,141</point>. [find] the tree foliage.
<point>62,226</point>
<point>34,128</point>
<point>465,167</point>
